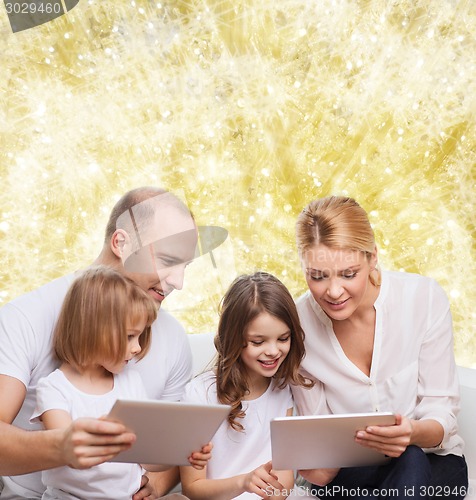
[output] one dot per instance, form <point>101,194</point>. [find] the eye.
<point>316,276</point>
<point>165,260</point>
<point>349,275</point>
<point>284,339</point>
<point>256,342</point>
<point>130,337</point>
<point>168,262</point>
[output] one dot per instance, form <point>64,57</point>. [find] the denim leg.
<point>350,483</point>
<point>403,478</point>
<point>449,477</point>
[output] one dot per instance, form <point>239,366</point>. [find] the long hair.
<point>337,222</point>
<point>248,297</point>
<point>92,325</point>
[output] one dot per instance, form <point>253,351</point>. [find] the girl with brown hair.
<point>260,347</point>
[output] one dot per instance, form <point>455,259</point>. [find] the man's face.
<point>168,245</point>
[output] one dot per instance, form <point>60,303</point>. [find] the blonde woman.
<point>377,341</point>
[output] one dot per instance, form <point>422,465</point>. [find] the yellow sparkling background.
<point>251,109</point>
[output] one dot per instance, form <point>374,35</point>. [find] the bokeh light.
<point>251,109</point>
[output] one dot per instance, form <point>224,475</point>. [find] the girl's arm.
<point>55,419</point>
<point>262,481</point>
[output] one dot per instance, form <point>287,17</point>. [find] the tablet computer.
<point>167,432</point>
<point>324,441</point>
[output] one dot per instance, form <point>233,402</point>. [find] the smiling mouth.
<point>339,303</point>
<point>269,363</point>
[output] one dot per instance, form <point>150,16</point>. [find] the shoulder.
<point>50,292</point>
<point>169,339</point>
<point>201,389</point>
<point>312,317</point>
<point>39,304</point>
<point>26,328</point>
<point>304,305</point>
<point>128,383</point>
<point>412,283</point>
<point>166,320</point>
<point>55,382</point>
<point>128,377</point>
<point>205,379</point>
<point>169,327</point>
<point>167,366</point>
<point>303,300</point>
<point>56,377</point>
<point>408,279</point>
<point>283,393</point>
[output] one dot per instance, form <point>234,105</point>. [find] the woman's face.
<point>338,279</point>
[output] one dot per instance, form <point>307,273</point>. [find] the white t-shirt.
<point>236,452</point>
<point>26,327</point>
<point>102,482</point>
<point>413,370</point>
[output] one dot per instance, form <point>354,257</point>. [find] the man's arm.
<point>164,481</point>
<point>86,442</point>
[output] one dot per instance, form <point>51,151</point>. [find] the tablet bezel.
<point>167,432</point>
<point>324,441</point>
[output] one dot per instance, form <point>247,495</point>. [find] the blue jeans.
<point>413,475</point>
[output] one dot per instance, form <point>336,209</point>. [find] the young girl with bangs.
<point>260,345</point>
<point>104,323</point>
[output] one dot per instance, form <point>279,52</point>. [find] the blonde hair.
<point>92,325</point>
<point>337,222</point>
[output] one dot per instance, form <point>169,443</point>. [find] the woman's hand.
<point>391,440</point>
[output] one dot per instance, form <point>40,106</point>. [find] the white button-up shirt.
<point>413,371</point>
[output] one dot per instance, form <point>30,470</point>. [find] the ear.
<point>119,240</point>
<point>373,259</point>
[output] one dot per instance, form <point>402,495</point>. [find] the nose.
<point>136,348</point>
<point>175,277</point>
<point>272,349</point>
<point>334,289</point>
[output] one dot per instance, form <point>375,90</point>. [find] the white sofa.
<point>203,352</point>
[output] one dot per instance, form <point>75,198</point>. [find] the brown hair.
<point>337,222</point>
<point>92,325</point>
<point>248,297</point>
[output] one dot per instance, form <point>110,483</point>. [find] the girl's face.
<point>268,340</point>
<point>338,279</point>
<point>134,331</point>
